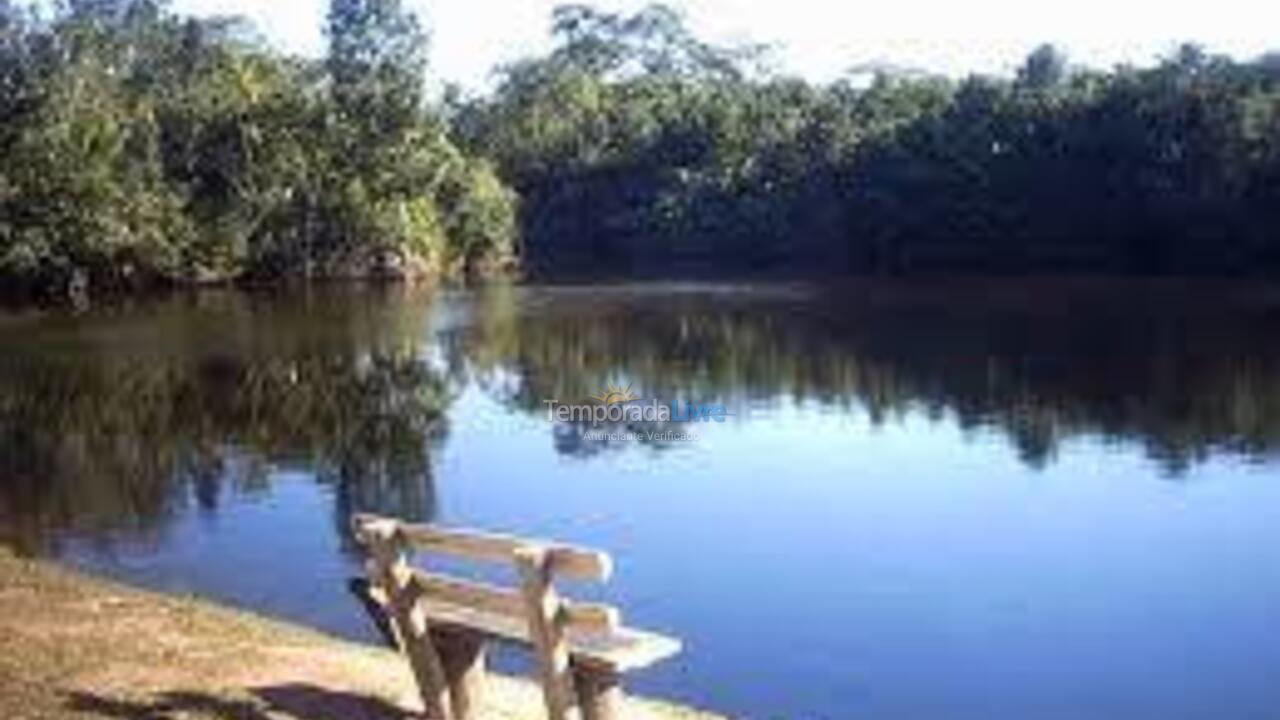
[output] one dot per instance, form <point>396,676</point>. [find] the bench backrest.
<point>388,541</point>
<point>441,622</point>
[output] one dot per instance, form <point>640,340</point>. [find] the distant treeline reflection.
<point>118,439</point>
<point>1184,374</point>
<point>112,425</point>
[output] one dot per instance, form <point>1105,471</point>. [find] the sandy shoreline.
<point>74,646</point>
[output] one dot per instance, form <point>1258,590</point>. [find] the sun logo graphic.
<point>615,396</point>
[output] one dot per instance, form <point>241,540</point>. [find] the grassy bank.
<point>73,646</point>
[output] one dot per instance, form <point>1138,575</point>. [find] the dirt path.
<point>78,647</point>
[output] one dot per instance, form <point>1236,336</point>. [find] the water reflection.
<point>1185,372</point>
<point>111,421</point>
<point>110,424</point>
<point>929,462</point>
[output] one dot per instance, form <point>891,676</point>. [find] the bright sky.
<point>822,38</point>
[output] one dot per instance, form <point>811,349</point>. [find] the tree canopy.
<point>638,149</point>
<point>141,147</point>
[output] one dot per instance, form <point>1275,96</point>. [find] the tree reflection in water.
<point>109,426</point>
<point>1185,372</point>
<point>116,421</point>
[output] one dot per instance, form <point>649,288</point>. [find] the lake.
<point>978,499</point>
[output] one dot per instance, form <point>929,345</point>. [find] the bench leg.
<point>408,623</point>
<point>599,693</point>
<point>547,630</point>
<point>428,671</point>
<point>463,655</point>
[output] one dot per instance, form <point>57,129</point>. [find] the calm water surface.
<point>979,500</point>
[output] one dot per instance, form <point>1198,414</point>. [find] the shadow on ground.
<point>277,702</point>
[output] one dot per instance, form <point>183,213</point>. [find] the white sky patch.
<point>821,39</point>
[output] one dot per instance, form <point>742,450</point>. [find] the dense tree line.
<point>637,148</point>
<point>138,147</point>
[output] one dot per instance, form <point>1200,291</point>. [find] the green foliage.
<point>140,148</point>
<point>482,213</point>
<point>637,148</point>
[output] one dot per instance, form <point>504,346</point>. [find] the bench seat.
<point>620,650</point>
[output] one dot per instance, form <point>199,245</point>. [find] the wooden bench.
<point>443,624</point>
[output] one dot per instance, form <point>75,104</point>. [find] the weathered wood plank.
<point>430,676</point>
<point>409,621</point>
<point>481,596</point>
<point>590,617</point>
<point>622,648</point>
<point>568,560</point>
<point>546,630</point>
<point>485,598</point>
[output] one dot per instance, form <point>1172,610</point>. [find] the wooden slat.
<point>622,649</point>
<point>590,617</point>
<point>482,597</point>
<point>485,598</point>
<point>568,560</point>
